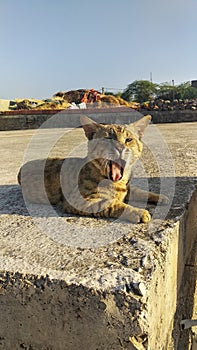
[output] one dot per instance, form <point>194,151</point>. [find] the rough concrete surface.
<point>70,283</point>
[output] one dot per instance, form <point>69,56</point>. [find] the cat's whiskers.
<point>105,166</point>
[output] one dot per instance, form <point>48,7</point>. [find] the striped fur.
<point>98,185</point>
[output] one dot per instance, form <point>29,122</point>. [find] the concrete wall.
<point>70,118</point>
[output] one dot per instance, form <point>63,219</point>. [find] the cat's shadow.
<point>13,203</point>
<point>177,189</point>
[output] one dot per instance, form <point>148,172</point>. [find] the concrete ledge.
<point>88,291</point>
<point>121,296</point>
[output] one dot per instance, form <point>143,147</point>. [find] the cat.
<point>99,184</point>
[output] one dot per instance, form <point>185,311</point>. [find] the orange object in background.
<point>91,96</point>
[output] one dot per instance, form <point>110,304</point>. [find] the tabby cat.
<point>97,185</point>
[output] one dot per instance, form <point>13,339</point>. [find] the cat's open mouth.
<point>116,169</point>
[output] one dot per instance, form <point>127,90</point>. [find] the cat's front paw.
<point>145,216</point>
<point>140,215</point>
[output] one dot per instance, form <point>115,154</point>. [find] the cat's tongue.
<point>116,171</point>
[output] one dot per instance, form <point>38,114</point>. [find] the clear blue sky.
<point>49,46</point>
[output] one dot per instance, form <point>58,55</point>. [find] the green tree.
<point>140,91</point>
<point>166,91</point>
<point>186,91</point>
<point>182,91</point>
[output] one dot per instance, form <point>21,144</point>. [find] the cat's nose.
<point>119,150</point>
<point>119,147</point>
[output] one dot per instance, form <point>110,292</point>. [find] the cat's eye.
<point>129,139</point>
<point>107,136</point>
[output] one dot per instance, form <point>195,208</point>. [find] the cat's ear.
<point>141,124</point>
<point>89,126</point>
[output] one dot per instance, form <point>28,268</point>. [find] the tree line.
<point>144,90</point>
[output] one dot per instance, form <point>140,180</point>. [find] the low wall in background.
<point>21,120</point>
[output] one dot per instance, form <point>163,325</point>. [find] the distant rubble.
<point>73,99</point>
<point>82,99</point>
<point>167,105</point>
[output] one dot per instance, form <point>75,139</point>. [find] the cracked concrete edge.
<point>169,286</point>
